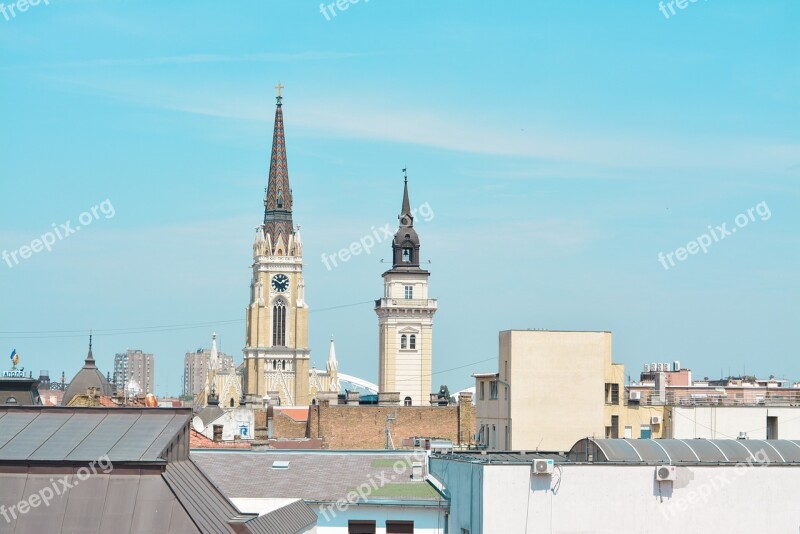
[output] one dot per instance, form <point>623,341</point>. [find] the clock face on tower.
<point>280,282</point>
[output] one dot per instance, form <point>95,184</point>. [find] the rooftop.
<point>250,474</point>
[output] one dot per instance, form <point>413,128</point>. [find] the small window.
<point>407,401</point>
<point>283,365</point>
<point>231,402</point>
<point>493,390</point>
<point>274,364</point>
<point>403,341</point>
<point>406,255</point>
<point>360,527</point>
<point>409,292</point>
<point>399,527</point>
<point>483,390</point>
<point>412,342</point>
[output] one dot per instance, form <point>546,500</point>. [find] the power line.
<point>57,334</point>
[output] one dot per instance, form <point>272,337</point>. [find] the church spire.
<point>405,246</point>
<point>278,200</point>
<point>89,362</point>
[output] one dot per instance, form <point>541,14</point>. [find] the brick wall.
<point>284,426</point>
<point>364,427</point>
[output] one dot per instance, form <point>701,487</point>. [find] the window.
<point>406,255</point>
<point>483,390</point>
<point>283,365</point>
<point>772,427</point>
<point>645,432</point>
<point>399,527</point>
<point>412,342</point>
<point>409,292</point>
<point>612,394</point>
<point>403,342</point>
<point>407,401</point>
<point>279,324</point>
<point>360,527</point>
<point>493,390</point>
<point>274,365</point>
<point>614,427</point>
<point>231,402</point>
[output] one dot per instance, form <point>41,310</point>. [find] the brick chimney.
<point>217,433</point>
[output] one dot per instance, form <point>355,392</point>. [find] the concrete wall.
<point>609,499</point>
<point>557,386</point>
<point>725,422</point>
<point>426,520</point>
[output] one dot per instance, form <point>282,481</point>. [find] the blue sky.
<point>560,145</point>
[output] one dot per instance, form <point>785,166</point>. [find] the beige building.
<point>134,372</point>
<point>557,387</point>
<point>405,318</point>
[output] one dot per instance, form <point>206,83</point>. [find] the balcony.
<point>406,303</point>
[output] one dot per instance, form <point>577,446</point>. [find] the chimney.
<point>217,433</point>
<point>353,398</point>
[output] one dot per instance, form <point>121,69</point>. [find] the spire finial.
<point>90,340</point>
<point>405,174</point>
<point>279,88</point>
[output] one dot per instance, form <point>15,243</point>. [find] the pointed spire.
<point>89,358</point>
<point>406,218</point>
<point>278,199</point>
<point>332,362</point>
<point>214,355</point>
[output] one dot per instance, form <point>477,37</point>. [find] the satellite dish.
<point>197,424</point>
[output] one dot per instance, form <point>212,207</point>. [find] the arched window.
<point>412,342</point>
<point>406,255</point>
<point>274,364</point>
<point>231,402</point>
<point>407,401</point>
<point>279,324</point>
<point>283,365</point>
<point>403,342</point>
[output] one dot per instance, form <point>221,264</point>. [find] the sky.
<point>584,165</point>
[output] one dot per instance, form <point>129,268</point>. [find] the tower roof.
<point>88,376</point>
<point>278,199</point>
<point>405,245</point>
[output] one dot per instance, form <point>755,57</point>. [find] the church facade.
<point>277,354</point>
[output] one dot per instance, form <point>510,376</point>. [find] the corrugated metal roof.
<point>133,501</point>
<point>86,434</point>
<point>685,451</point>
<point>211,512</point>
<point>293,518</point>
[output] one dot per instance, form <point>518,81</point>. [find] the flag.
<point>14,357</point>
<point>13,353</point>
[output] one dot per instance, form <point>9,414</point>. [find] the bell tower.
<point>276,353</point>
<point>405,318</point>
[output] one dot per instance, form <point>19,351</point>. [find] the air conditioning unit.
<point>543,467</point>
<point>655,420</point>
<point>635,395</point>
<point>666,472</point>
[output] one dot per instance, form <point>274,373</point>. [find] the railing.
<point>407,303</point>
<point>783,398</point>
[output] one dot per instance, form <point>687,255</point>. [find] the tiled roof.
<point>297,414</point>
<point>199,441</point>
<point>249,474</point>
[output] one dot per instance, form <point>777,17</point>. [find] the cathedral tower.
<point>405,318</point>
<point>276,354</point>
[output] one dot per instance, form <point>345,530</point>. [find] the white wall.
<point>725,422</point>
<point>426,520</point>
<point>612,499</point>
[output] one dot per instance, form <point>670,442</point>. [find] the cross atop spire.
<point>279,88</point>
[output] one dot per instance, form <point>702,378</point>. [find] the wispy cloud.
<point>189,59</point>
<point>471,131</point>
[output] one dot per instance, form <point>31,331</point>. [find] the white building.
<point>614,486</point>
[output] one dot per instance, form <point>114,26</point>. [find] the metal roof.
<point>496,457</point>
<point>132,500</point>
<point>211,512</point>
<point>293,518</point>
<point>685,451</point>
<point>84,434</point>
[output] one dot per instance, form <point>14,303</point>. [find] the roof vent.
<point>280,465</point>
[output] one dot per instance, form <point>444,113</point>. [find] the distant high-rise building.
<point>196,367</point>
<point>134,372</point>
